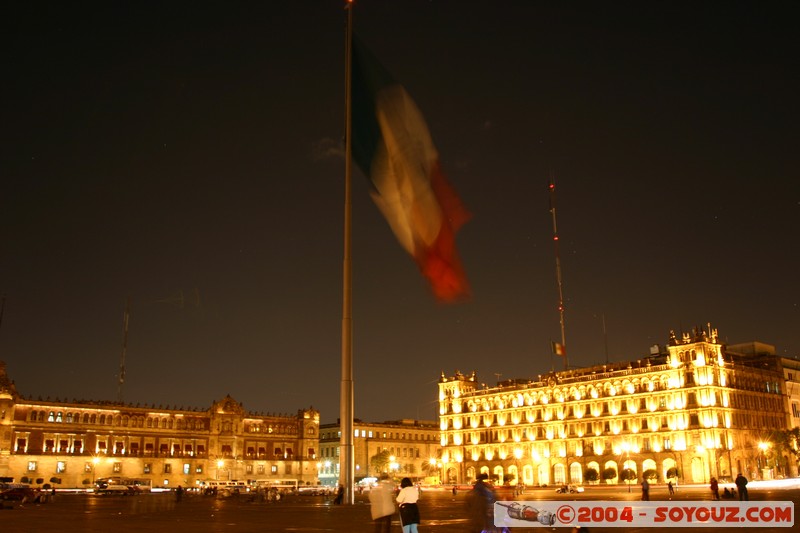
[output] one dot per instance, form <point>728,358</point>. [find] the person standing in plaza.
<point>741,484</point>
<point>409,511</point>
<point>714,489</point>
<point>645,490</point>
<point>480,501</point>
<point>382,504</point>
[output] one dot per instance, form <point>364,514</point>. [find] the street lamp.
<point>764,446</point>
<point>627,448</point>
<point>95,460</point>
<point>220,464</point>
<point>701,450</point>
<point>432,462</point>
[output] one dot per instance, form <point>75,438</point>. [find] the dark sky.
<point>153,149</point>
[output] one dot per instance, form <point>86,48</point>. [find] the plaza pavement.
<point>441,512</point>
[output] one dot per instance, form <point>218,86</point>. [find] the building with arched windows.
<point>79,441</point>
<point>692,411</point>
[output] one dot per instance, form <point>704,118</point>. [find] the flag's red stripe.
<point>440,262</point>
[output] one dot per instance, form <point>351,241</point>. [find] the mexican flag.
<point>392,146</point>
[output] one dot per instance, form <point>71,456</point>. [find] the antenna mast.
<point>558,273</point>
<point>2,310</point>
<point>121,378</point>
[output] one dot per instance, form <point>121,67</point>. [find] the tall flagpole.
<point>346,452</point>
<point>558,272</point>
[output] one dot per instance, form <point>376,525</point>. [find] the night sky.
<point>188,155</point>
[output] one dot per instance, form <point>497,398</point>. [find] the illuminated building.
<point>78,441</point>
<point>412,446</point>
<point>688,413</point>
<point>791,373</point>
<point>775,461</point>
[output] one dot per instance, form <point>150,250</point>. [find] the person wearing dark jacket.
<point>481,505</point>
<point>741,484</point>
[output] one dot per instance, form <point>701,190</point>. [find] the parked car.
<point>315,490</point>
<point>121,490</point>
<point>21,494</point>
<point>569,489</point>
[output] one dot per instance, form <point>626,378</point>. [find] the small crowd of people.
<point>480,501</point>
<point>740,482</point>
<point>385,501</point>
<point>741,485</point>
<point>382,501</point>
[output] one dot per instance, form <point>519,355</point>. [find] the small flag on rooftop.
<point>559,349</point>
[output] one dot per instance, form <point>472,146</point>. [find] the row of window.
<point>589,447</point>
<point>656,383</point>
<point>269,428</point>
<point>757,402</point>
<point>151,422</point>
<point>147,468</point>
<point>333,451</point>
<point>75,446</point>
<point>59,417</point>
<point>612,409</point>
<point>389,435</point>
<point>612,427</point>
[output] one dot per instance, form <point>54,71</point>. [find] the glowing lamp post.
<point>432,462</point>
<point>517,457</point>
<point>764,446</point>
<point>627,448</point>
<point>95,460</point>
<point>701,450</point>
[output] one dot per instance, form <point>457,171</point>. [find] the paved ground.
<point>441,512</point>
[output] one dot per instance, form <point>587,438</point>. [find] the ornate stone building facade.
<point>691,412</point>
<point>78,441</point>
<point>412,444</point>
